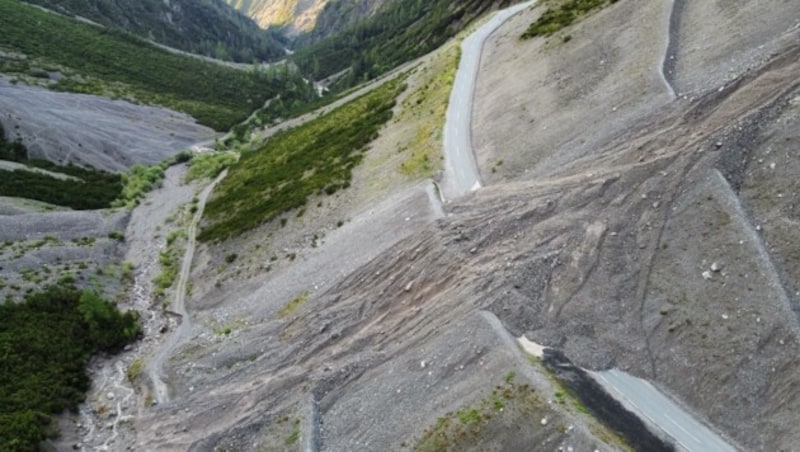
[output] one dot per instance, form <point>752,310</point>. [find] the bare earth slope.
<point>83,129</point>
<point>664,244</point>
<point>626,227</point>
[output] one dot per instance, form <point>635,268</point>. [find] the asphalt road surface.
<point>651,405</point>
<point>461,174</point>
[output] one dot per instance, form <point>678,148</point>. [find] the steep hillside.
<point>70,55</point>
<point>339,14</point>
<point>398,32</point>
<point>205,27</point>
<point>294,16</point>
<point>635,211</point>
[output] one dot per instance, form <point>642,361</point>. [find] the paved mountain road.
<point>654,407</point>
<point>461,174</point>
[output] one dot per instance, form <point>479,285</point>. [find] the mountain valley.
<point>342,272</point>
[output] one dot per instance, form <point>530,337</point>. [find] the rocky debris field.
<point>107,134</point>
<point>640,214</point>
<point>41,248</point>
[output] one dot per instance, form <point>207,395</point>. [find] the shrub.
<point>559,17</point>
<point>317,157</point>
<point>47,341</point>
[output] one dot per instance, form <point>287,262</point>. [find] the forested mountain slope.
<point>206,27</point>
<point>398,32</point>
<point>88,59</point>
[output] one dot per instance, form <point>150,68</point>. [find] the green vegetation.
<point>86,189</point>
<point>485,422</point>
<point>296,98</point>
<point>141,179</point>
<point>113,62</point>
<point>96,190</point>
<point>14,151</point>
<point>315,158</point>
<point>170,263</point>
<point>295,435</point>
<point>209,164</point>
<point>562,14</point>
<point>399,32</point>
<point>293,304</point>
<point>426,109</point>
<point>135,369</point>
<point>201,27</point>
<point>46,342</point>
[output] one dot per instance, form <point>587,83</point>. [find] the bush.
<point>315,158</point>
<point>47,341</point>
<point>558,18</point>
<point>209,164</point>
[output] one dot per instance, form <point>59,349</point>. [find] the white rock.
<point>716,267</point>
<point>544,421</point>
<point>110,396</point>
<point>707,275</point>
<point>724,316</point>
<point>422,364</point>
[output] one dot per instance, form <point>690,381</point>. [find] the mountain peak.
<point>296,15</point>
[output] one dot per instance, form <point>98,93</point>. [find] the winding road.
<point>668,63</point>
<point>461,174</point>
<point>462,177</point>
<point>156,364</point>
<point>651,405</point>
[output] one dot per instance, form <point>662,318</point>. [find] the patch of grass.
<point>209,164</point>
<point>135,369</point>
<point>117,235</point>
<point>468,416</point>
<point>313,159</point>
<point>295,435</point>
<point>84,241</point>
<point>138,182</point>
<point>562,14</point>
<point>426,109</point>
<point>293,304</point>
<point>126,272</point>
<point>169,272</point>
<point>469,426</point>
<point>175,235</point>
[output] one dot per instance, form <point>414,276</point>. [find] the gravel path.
<point>156,364</point>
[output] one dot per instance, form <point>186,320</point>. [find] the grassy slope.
<point>216,95</point>
<point>317,157</point>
